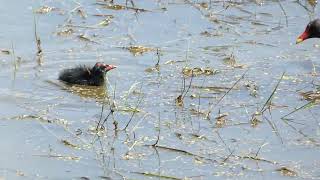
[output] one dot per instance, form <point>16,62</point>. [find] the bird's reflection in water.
<point>95,92</point>
<point>99,93</point>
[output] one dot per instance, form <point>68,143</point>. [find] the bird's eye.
<point>308,27</point>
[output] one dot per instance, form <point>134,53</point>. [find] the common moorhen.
<point>85,75</point>
<point>312,31</point>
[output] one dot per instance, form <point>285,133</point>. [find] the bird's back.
<point>79,75</point>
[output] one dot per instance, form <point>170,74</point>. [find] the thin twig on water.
<point>140,98</point>
<point>267,106</point>
<point>284,12</point>
<point>38,43</point>
<point>268,102</point>
<point>159,131</point>
<point>234,84</point>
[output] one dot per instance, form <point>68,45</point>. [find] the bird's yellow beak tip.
<point>299,40</point>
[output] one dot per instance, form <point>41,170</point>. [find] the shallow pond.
<point>203,90</point>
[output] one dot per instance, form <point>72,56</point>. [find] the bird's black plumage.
<point>84,75</point>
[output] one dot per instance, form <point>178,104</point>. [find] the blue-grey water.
<point>47,129</point>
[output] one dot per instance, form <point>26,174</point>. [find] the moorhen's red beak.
<point>302,37</point>
<point>109,67</point>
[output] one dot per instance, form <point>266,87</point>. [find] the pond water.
<point>223,102</point>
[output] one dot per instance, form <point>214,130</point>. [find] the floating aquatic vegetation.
<point>59,156</point>
<point>5,51</point>
<point>46,9</point>
<point>65,32</point>
<point>179,101</point>
<point>93,130</point>
<point>138,50</point>
<point>118,7</point>
<point>106,21</point>
<point>254,121</point>
<point>152,69</point>
<point>104,15</point>
<point>252,87</point>
<point>286,171</point>
<point>221,120</point>
<point>198,112</point>
<point>18,173</point>
<point>174,61</point>
<point>86,38</point>
<point>157,175</point>
<point>231,61</point>
<point>36,117</point>
<point>69,144</point>
<point>218,89</point>
<point>128,109</point>
<point>39,56</point>
<point>313,3</point>
<point>156,67</point>
<point>257,23</point>
<point>253,42</point>
<point>132,155</point>
<point>194,96</point>
<point>70,158</point>
<point>81,13</point>
<point>217,49</point>
<point>204,5</point>
<point>311,96</point>
<point>113,6</point>
<point>210,34</point>
<point>187,71</point>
